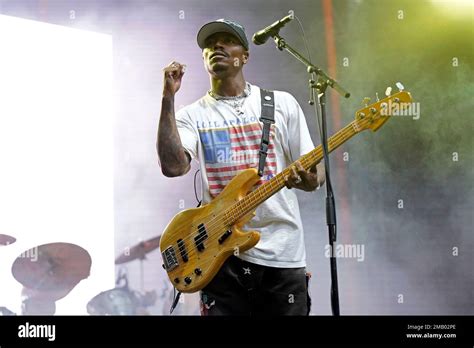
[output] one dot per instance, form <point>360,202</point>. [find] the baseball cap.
<point>219,26</point>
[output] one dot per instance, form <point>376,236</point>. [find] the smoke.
<point>409,186</point>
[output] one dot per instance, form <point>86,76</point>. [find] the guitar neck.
<point>250,202</point>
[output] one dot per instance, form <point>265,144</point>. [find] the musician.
<point>223,132</point>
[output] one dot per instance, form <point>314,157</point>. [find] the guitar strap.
<point>267,117</point>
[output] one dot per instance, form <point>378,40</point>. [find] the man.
<point>223,132</point>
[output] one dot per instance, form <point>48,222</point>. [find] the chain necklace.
<point>235,102</point>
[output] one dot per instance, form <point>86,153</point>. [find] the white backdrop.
<point>56,150</point>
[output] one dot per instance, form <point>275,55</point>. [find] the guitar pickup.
<point>225,236</point>
<point>201,237</point>
<point>182,250</point>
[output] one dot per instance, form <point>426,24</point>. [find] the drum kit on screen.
<point>49,272</point>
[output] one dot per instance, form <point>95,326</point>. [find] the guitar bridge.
<point>170,261</point>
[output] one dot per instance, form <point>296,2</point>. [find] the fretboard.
<point>250,202</point>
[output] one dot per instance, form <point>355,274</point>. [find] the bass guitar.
<point>197,241</point>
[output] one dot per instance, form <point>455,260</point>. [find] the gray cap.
<point>222,26</point>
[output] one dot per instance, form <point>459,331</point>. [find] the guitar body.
<point>192,247</point>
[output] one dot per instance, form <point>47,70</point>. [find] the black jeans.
<point>244,288</point>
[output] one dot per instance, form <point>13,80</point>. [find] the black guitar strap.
<point>268,117</point>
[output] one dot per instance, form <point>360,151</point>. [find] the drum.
<point>117,301</point>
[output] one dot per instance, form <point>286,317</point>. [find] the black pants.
<point>244,288</point>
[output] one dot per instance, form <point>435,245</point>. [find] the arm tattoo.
<point>174,159</point>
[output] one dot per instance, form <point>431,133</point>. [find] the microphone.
<point>260,37</point>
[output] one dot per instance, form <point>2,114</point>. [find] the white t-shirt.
<point>225,143</point>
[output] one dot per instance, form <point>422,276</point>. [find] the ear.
<point>245,57</point>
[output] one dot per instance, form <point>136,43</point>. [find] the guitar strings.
<point>213,223</point>
<point>349,128</point>
<point>218,219</point>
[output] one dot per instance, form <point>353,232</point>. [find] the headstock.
<point>375,115</point>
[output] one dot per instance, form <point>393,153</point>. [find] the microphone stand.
<point>320,87</point>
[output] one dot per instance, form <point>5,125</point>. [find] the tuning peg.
<point>388,91</point>
<point>366,101</point>
<point>377,96</point>
<point>400,86</point>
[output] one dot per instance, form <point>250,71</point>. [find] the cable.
<point>195,189</point>
<point>304,39</point>
<point>176,297</point>
<point>303,35</point>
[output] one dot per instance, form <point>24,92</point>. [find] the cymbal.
<point>6,240</point>
<point>45,295</point>
<point>117,301</point>
<point>54,266</point>
<point>138,251</point>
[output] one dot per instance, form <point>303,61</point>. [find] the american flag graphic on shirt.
<point>228,151</point>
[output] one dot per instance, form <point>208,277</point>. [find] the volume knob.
<point>188,280</point>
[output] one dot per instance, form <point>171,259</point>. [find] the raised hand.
<point>173,74</point>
